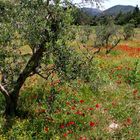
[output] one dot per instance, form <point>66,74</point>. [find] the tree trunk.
<point>11,106</point>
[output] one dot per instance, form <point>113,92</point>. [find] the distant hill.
<point>111,11</point>
<point>91,11</point>
<point>116,9</point>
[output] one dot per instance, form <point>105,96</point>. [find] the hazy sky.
<point>110,3</point>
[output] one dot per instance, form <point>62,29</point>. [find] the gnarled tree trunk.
<point>12,97</point>
<point>11,106</point>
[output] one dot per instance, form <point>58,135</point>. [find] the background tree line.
<point>132,17</point>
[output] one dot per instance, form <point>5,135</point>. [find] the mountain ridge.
<point>114,10</point>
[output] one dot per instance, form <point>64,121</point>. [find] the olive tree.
<point>128,30</point>
<point>43,25</point>
<point>107,36</point>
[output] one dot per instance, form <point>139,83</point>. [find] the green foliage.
<point>121,17</point>
<point>28,24</point>
<point>81,18</point>
<point>128,31</point>
<point>107,36</point>
<point>79,97</point>
<point>43,26</point>
<point>130,17</point>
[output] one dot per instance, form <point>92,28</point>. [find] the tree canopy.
<point>44,26</point>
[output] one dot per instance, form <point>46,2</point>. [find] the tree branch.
<point>30,67</point>
<point>113,46</point>
<point>4,91</point>
<point>42,76</point>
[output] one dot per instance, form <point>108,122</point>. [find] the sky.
<point>110,3</point>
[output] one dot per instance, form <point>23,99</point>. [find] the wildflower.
<point>73,108</point>
<point>82,138</point>
<point>92,124</point>
<point>70,123</point>
<point>81,101</point>
<point>80,113</point>
<point>65,134</point>
<point>129,121</point>
<point>113,125</point>
<point>135,92</point>
<point>62,126</point>
<point>67,103</point>
<point>46,129</point>
<point>91,108</point>
<point>119,67</point>
<point>97,106</point>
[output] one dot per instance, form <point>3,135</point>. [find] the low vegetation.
<point>63,81</point>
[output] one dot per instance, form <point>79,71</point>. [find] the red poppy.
<point>92,124</point>
<point>129,121</point>
<point>65,134</point>
<point>91,108</point>
<point>70,123</point>
<point>97,106</point>
<point>81,101</point>
<point>73,108</point>
<point>67,103</point>
<point>62,126</point>
<point>119,67</point>
<point>79,113</point>
<point>135,92</point>
<point>82,138</point>
<point>46,129</point>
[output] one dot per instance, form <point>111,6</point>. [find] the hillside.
<point>92,11</point>
<point>111,11</point>
<point>116,9</point>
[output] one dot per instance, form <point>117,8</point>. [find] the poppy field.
<point>106,109</point>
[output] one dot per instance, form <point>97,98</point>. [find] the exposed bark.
<point>12,97</point>
<point>4,91</point>
<point>11,106</point>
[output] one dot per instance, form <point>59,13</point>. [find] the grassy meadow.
<point>108,109</point>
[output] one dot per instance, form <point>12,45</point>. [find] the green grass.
<point>82,111</point>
